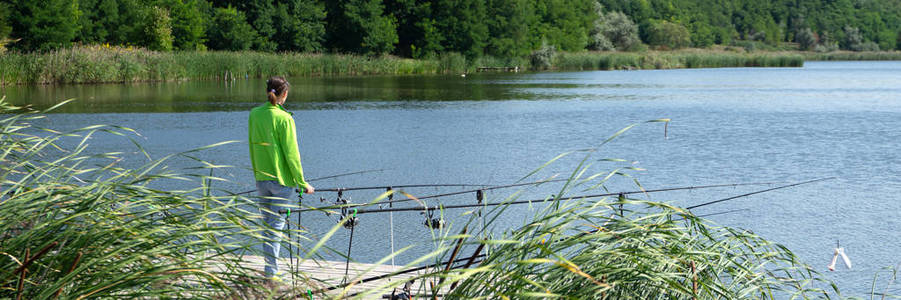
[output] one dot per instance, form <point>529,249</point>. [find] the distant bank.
<point>99,64</point>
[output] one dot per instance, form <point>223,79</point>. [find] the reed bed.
<point>106,64</point>
<point>672,60</point>
<point>78,225</point>
<point>97,64</point>
<point>850,55</point>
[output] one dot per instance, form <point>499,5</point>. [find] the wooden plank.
<point>331,273</point>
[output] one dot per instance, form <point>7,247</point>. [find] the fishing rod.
<point>397,186</point>
<point>401,272</point>
<point>369,211</point>
<point>758,192</point>
<point>391,202</point>
<point>327,177</point>
<point>347,174</point>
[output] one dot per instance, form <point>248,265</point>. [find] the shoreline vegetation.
<point>104,64</point>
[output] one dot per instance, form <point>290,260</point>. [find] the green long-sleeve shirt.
<point>273,146</point>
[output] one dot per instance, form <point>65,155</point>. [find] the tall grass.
<point>851,55</point>
<point>97,64</point>
<point>80,225</point>
<point>672,60</point>
<point>103,64</point>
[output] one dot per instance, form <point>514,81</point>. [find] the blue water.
<point>840,119</point>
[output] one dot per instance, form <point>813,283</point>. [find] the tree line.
<point>425,28</point>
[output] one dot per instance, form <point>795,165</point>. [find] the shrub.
<point>542,58</point>
<point>825,48</point>
<point>229,30</point>
<point>614,31</point>
<point>867,46</point>
<point>159,30</point>
<point>806,39</point>
<point>854,40</point>
<point>452,62</point>
<point>898,41</point>
<point>886,40</point>
<point>4,25</point>
<point>667,35</point>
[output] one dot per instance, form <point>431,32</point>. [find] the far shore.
<point>99,64</point>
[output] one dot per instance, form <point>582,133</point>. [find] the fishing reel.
<point>349,214</point>
<point>406,294</point>
<point>351,222</point>
<point>433,222</point>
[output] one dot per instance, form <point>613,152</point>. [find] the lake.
<point>730,125</point>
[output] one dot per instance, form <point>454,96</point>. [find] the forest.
<point>473,28</point>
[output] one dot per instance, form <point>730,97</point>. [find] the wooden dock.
<point>326,274</point>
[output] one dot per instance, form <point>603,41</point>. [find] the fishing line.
<point>369,211</point>
<point>758,192</point>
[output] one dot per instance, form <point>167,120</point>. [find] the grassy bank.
<point>99,64</point>
<point>850,55</point>
<point>673,60</point>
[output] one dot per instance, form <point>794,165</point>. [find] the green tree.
<point>596,38</point>
<point>299,25</point>
<point>229,30</point>
<point>806,39</point>
<point>117,22</point>
<point>702,34</point>
<point>5,29</point>
<point>414,23</point>
<point>898,41</point>
<point>615,31</point>
<point>668,35</point>
<point>459,27</point>
<point>852,38</point>
<point>260,14</point>
<point>564,23</point>
<point>92,29</point>
<point>886,40</point>
<point>41,25</point>
<point>159,30</point>
<point>4,20</point>
<point>509,26</point>
<point>188,23</point>
<point>360,26</point>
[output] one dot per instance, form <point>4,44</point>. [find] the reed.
<point>99,64</point>
<point>75,225</point>
<point>673,60</point>
<point>111,64</point>
<point>851,55</point>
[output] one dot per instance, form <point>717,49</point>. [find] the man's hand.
<point>308,189</point>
